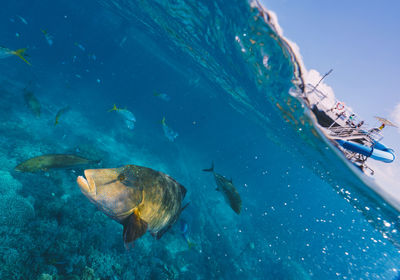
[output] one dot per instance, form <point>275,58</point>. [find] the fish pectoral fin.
<point>134,227</point>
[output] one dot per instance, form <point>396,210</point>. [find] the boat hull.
<point>378,151</point>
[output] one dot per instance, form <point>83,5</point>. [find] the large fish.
<point>46,162</point>
<point>137,197</point>
<point>227,189</point>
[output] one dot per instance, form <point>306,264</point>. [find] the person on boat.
<point>350,120</point>
<point>378,129</point>
<point>360,124</point>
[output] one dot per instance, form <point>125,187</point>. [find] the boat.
<point>346,131</point>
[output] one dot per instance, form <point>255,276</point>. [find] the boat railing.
<point>340,131</point>
<point>375,134</point>
<point>371,135</point>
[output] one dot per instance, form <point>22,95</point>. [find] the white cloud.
<point>396,116</point>
<point>313,77</point>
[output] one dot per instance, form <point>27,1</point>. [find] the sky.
<point>359,41</point>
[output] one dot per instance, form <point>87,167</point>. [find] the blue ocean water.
<point>220,78</point>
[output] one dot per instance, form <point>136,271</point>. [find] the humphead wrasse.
<point>228,190</point>
<point>32,102</point>
<point>5,52</point>
<point>137,197</point>
<point>46,162</point>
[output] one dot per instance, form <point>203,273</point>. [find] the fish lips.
<point>87,185</point>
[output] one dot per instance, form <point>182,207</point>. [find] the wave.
<point>261,54</point>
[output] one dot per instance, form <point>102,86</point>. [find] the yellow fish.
<point>5,52</point>
<point>114,108</point>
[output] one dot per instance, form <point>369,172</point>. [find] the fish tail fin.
<point>55,122</point>
<point>20,53</point>
<point>211,169</point>
<point>163,121</point>
<point>134,227</point>
<point>113,108</point>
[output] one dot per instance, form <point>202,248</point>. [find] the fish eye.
<point>121,177</point>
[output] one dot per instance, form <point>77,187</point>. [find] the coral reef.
<point>16,211</point>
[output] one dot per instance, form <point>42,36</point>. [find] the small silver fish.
<point>168,132</point>
<point>80,46</point>
<point>127,115</point>
<point>49,38</point>
<point>22,19</point>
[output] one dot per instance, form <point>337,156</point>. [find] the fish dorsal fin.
<point>183,191</point>
<point>134,227</point>
<point>113,108</point>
